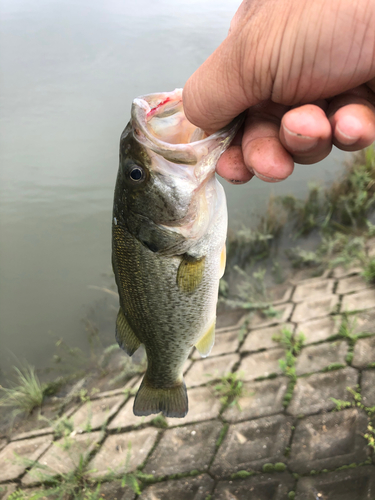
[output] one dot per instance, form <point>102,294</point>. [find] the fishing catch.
<point>168,246</point>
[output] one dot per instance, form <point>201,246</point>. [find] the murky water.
<point>69,71</point>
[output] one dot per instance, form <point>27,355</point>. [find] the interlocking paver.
<point>232,319</point>
<point>312,290</point>
<point>249,445</point>
<point>358,301</point>
<point>126,418</point>
<point>364,352</point>
<point>319,329</point>
<point>113,491</point>
<point>225,343</point>
<point>314,358</point>
<point>283,312</point>
<point>314,308</point>
<point>351,284</point>
<point>328,441</point>
<point>31,434</point>
<point>262,487</point>
<point>261,364</point>
<point>259,399</point>
<point>122,453</point>
<point>30,449</point>
<point>62,457</point>
<point>349,484</point>
<point>263,338</point>
<point>183,449</point>
<point>203,405</point>
<point>313,394</point>
<point>211,368</point>
<point>368,387</point>
<point>364,322</point>
<point>280,294</point>
<point>6,490</point>
<point>188,488</point>
<point>341,271</point>
<point>94,414</point>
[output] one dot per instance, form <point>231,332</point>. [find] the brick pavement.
<point>294,432</point>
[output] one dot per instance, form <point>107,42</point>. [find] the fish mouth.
<point>160,124</point>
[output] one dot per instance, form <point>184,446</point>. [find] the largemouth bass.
<point>169,231</point>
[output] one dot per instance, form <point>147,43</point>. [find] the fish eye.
<point>137,174</point>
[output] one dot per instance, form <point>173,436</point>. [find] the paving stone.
<point>313,394</point>
<point>31,449</point>
<point>280,293</point>
<point>300,278</point>
<point>262,487</point>
<point>259,320</point>
<point>364,352</point>
<point>31,434</point>
<point>63,457</point>
<point>249,445</point>
<point>188,488</point>
<point>349,484</point>
<point>368,387</point>
<point>314,358</point>
<point>126,418</point>
<point>370,247</point>
<point>364,322</point>
<point>315,308</point>
<point>203,405</point>
<point>113,491</point>
<point>3,443</point>
<point>358,301</point>
<point>313,290</point>
<point>94,414</point>
<point>259,399</point>
<point>263,338</point>
<point>328,441</point>
<point>209,369</point>
<point>319,329</point>
<point>341,271</point>
<point>261,364</point>
<point>122,453</point>
<point>225,343</point>
<point>233,318</point>
<point>351,284</point>
<point>183,449</point>
<point>6,490</point>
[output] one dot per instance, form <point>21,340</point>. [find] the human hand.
<point>304,71</point>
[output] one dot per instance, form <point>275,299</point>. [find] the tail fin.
<point>172,401</point>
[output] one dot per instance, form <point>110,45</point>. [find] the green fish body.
<point>168,247</point>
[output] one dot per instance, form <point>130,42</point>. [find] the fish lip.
<point>147,106</point>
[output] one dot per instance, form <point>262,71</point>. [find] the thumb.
<point>226,84</point>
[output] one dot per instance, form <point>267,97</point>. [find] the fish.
<point>169,229</point>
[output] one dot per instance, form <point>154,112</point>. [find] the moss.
<point>280,466</point>
<point>292,495</point>
<point>268,467</point>
<point>333,366</point>
<point>242,474</point>
<point>222,435</point>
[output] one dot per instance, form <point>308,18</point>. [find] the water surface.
<point>69,71</point>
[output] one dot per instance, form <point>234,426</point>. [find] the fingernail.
<point>351,123</point>
<point>299,142</point>
<point>265,178</point>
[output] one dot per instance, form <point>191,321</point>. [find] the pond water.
<point>69,70</point>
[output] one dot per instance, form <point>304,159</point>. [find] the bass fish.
<point>168,247</point>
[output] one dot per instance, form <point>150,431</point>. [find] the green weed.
<point>369,271</point>
<point>370,436</point>
<point>229,389</point>
<point>24,395</point>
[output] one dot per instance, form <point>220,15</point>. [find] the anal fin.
<point>171,401</point>
<point>125,336</point>
<point>205,343</point>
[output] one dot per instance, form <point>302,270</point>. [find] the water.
<point>69,71</point>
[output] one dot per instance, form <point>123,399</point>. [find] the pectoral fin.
<point>190,273</point>
<point>125,336</point>
<point>223,261</point>
<point>205,343</point>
